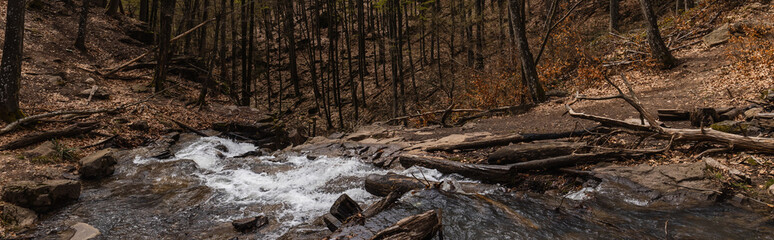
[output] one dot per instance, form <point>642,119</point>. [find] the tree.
<point>658,49</point>
<point>10,68</point>
<point>614,17</point>
<point>167,16</point>
<point>144,5</point>
<point>112,9</point>
<point>529,69</point>
<point>290,29</point>
<point>80,40</point>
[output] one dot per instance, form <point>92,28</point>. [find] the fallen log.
<point>673,115</point>
<point>382,185</point>
<point>33,138</point>
<point>506,173</point>
<point>494,141</point>
<point>496,173</point>
<point>417,227</point>
<point>534,150</point>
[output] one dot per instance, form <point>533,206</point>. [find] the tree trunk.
<point>167,16</point>
<point>10,68</point>
<point>290,33</point>
<point>144,10</point>
<point>80,40</point>
<point>614,17</point>
<point>658,49</point>
<point>361,47</point>
<point>479,34</point>
<point>112,9</point>
<point>525,55</point>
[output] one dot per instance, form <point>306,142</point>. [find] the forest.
<point>386,119</point>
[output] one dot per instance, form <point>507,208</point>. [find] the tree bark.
<point>525,55</point>
<point>10,68</point>
<point>167,16</point>
<point>80,39</point>
<point>658,49</point>
<point>290,33</point>
<point>614,17</point>
<point>112,9</point>
<point>144,10</point>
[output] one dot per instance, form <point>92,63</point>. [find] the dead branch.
<point>30,139</point>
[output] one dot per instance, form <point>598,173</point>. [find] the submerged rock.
<point>98,165</point>
<point>249,224</point>
<point>42,196</point>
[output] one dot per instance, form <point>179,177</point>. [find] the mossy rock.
<point>731,126</point>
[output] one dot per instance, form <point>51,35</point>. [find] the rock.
<point>296,138</point>
<point>667,185</point>
<point>139,125</point>
<point>15,216</point>
<point>731,126</point>
<point>719,36</point>
<point>771,189</point>
<point>98,165</point>
<point>90,81</point>
<point>42,196</point>
<point>345,207</point>
<point>331,222</point>
<point>140,88</point>
<point>56,81</point>
<point>311,157</point>
<point>249,224</point>
<point>250,154</point>
<point>222,148</point>
<point>47,150</point>
<point>100,93</point>
<point>84,231</point>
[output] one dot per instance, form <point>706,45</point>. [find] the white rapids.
<point>303,189</point>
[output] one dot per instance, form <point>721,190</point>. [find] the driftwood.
<point>72,130</point>
<point>535,150</point>
<point>507,173</point>
<point>497,173</point>
<point>673,115</point>
<point>417,227</point>
<point>502,140</point>
<point>382,185</point>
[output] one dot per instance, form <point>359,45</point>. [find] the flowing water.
<point>197,192</point>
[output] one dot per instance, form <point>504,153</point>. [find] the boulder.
<point>80,231</point>
<point>55,80</point>
<point>46,150</point>
<point>249,224</point>
<point>97,165</point>
<point>100,93</point>
<point>42,196</point>
<point>296,138</point>
<point>719,36</point>
<point>15,216</point>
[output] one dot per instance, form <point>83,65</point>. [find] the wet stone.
<point>42,196</point>
<point>249,224</point>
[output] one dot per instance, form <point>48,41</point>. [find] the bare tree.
<point>658,49</point>
<point>529,69</point>
<point>80,40</point>
<point>614,17</point>
<point>112,9</point>
<point>10,68</point>
<point>167,16</point>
